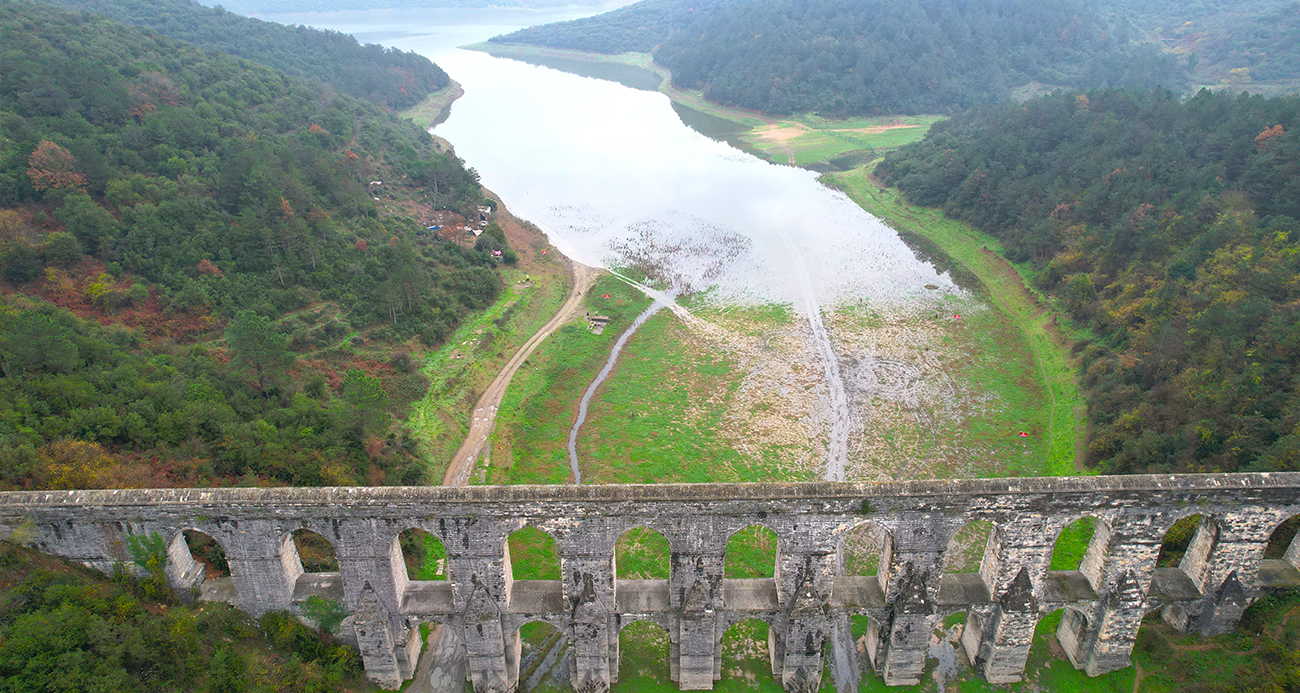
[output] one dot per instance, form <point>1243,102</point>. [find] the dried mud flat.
<point>908,409</point>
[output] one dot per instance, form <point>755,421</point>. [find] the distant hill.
<point>393,79</point>
<point>1170,229</point>
<point>203,279</point>
<point>268,6</point>
<point>869,57</point>
<point>1250,45</point>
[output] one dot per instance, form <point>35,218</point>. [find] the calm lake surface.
<point>616,179</point>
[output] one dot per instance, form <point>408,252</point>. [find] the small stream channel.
<point>659,304</point>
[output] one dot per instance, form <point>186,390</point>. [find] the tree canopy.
<point>152,192</point>
<point>851,57</point>
<point>1170,230</point>
<point>390,78</point>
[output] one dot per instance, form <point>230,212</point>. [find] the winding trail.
<point>442,665</point>
<point>655,307</point>
<point>485,411</point>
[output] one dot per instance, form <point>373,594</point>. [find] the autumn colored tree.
<point>51,166</point>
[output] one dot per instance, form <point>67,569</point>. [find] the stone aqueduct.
<point>808,604</point>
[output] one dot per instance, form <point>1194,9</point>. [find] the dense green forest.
<point>71,629</point>
<point>198,287</point>
<point>391,78</point>
<point>845,58</point>
<point>1170,229</point>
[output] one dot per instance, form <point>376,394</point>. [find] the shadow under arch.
<point>751,552</point>
<point>537,657</point>
<point>423,555</point>
<point>311,568</point>
<point>1280,564</point>
<point>642,553</point>
<point>314,552</point>
<point>1282,544</point>
<point>194,558</point>
<point>644,657</point>
<point>1068,627</point>
<point>1176,541</point>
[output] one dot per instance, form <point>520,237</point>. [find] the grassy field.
<point>540,405</point>
<point>975,393</point>
<point>661,416</point>
<point>812,141</point>
<point>643,661</point>
<point>435,107</point>
<point>1007,290</point>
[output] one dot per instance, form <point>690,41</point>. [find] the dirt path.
<point>441,667</point>
<point>485,411</point>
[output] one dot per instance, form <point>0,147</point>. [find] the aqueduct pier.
<point>808,604</point>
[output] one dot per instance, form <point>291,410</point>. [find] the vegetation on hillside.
<point>151,192</point>
<point>1170,229</point>
<point>1240,44</point>
<point>844,58</point>
<point>71,629</point>
<point>388,77</point>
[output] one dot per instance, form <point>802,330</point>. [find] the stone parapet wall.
<point>808,604</point>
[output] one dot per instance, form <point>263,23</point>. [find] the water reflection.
<point>616,179</point>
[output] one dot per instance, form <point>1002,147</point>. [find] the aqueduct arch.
<point>809,604</point>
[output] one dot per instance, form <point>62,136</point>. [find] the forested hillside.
<point>842,57</point>
<point>391,78</point>
<point>1243,44</point>
<point>65,628</point>
<point>1170,229</point>
<point>198,287</point>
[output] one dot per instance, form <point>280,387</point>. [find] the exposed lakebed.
<point>617,179</point>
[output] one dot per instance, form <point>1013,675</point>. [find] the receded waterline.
<point>659,304</point>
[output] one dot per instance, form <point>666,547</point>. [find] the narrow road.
<point>485,411</point>
<point>442,664</point>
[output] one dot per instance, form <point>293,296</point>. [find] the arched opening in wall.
<point>643,658</point>
<point>1057,638</point>
<point>751,553</point>
<point>746,657</point>
<point>868,634</point>
<point>1072,544</point>
<point>642,554</point>
<point>1281,543</point>
<point>533,555</point>
<point>315,552</point>
<point>1176,542</point>
<point>206,551</point>
<point>862,549</point>
<point>542,664</point>
<point>965,552</point>
<point>424,554</point>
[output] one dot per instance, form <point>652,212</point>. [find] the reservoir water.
<point>616,179</point>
